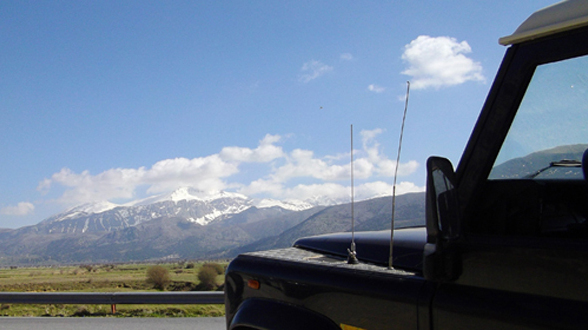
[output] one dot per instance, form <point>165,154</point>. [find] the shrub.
<point>158,276</point>
<point>207,277</point>
<point>109,267</point>
<point>219,269</point>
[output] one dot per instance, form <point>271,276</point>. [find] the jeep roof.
<point>562,16</point>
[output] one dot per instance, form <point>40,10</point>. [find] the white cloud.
<point>376,89</point>
<point>263,186</point>
<point>330,193</point>
<point>283,173</point>
<point>312,70</point>
<point>346,57</point>
<point>370,162</point>
<point>440,62</point>
<point>303,164</point>
<point>325,193</point>
<point>204,173</point>
<point>380,188</point>
<point>368,135</point>
<point>265,152</point>
<point>382,165</point>
<point>21,209</point>
<point>387,167</point>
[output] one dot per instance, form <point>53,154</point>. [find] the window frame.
<point>502,104</point>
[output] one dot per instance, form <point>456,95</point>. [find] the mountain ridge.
<point>166,230</point>
<point>195,205</point>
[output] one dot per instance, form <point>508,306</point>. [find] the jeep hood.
<point>374,246</point>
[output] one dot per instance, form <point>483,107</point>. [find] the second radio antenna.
<point>396,175</point>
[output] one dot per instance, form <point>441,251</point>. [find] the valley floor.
<point>104,278</point>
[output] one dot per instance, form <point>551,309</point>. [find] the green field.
<point>104,278</point>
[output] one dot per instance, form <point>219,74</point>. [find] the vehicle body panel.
<point>374,246</point>
<point>364,296</point>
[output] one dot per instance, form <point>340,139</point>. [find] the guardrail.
<point>113,298</point>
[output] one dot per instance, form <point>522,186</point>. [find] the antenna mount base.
<point>352,257</point>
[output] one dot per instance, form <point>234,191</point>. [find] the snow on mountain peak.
<point>187,193</point>
<point>292,205</point>
<point>84,209</point>
<point>96,207</point>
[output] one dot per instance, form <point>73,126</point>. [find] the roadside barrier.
<point>113,298</point>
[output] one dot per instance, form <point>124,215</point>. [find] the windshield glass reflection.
<point>548,136</point>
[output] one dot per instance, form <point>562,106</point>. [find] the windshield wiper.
<point>559,163</point>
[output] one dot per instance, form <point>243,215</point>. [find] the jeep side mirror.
<point>442,203</point>
<point>443,221</point>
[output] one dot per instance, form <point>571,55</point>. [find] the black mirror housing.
<point>441,260</point>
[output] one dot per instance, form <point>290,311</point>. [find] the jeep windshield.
<point>549,136</point>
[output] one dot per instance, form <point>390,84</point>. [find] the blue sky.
<point>119,100</point>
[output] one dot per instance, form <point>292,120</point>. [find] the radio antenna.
<point>352,254</point>
<point>396,175</point>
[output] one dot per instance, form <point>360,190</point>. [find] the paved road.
<point>112,323</point>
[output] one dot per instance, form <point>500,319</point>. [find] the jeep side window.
<point>536,187</point>
<point>549,133</point>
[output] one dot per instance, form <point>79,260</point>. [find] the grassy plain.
<point>102,278</point>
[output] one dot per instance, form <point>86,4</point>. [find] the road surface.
<point>112,323</point>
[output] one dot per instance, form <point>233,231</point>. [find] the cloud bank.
<point>346,57</point>
<point>326,179</point>
<point>312,70</point>
<point>376,89</point>
<point>436,62</point>
<point>21,209</point>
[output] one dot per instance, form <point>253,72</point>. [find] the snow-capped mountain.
<point>187,194</point>
<point>187,203</point>
<point>292,205</point>
<point>168,228</point>
<point>86,209</point>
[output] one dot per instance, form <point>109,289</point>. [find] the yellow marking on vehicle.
<point>349,327</point>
